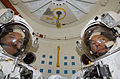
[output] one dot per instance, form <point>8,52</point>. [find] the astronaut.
<point>99,47</point>
<point>16,38</point>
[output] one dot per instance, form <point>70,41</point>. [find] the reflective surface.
<point>97,40</point>
<point>14,38</point>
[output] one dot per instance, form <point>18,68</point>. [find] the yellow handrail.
<point>58,52</point>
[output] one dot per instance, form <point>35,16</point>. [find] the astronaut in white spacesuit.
<point>16,38</point>
<point>99,48</point>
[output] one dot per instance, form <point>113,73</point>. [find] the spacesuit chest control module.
<point>99,47</point>
<point>16,38</point>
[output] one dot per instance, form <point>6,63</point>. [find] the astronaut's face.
<point>13,41</point>
<point>97,44</point>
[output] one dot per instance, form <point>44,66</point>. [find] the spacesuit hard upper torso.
<point>112,61</point>
<point>7,65</point>
<point>114,65</point>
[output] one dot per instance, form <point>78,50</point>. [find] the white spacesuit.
<point>99,48</point>
<point>16,38</point>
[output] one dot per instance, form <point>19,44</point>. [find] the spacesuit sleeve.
<point>37,75</point>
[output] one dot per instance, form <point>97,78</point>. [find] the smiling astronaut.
<point>99,47</point>
<point>16,38</point>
